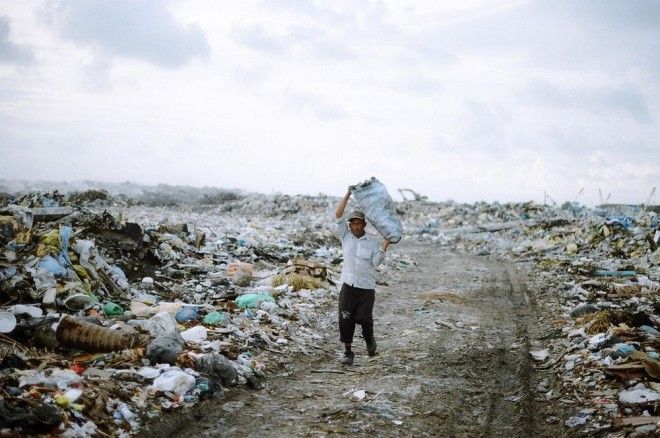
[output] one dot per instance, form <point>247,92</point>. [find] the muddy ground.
<point>454,334</point>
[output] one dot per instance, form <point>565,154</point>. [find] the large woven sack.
<point>377,205</point>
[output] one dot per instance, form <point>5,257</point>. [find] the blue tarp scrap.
<point>620,220</point>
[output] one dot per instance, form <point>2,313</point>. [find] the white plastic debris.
<point>597,342</point>
<point>125,412</point>
<point>540,355</point>
<point>60,378</point>
<point>576,421</point>
<point>638,395</point>
<point>21,309</point>
<point>161,323</point>
<point>75,431</point>
<point>195,334</point>
<point>73,394</point>
<point>360,394</point>
<point>149,372</point>
<point>174,380</point>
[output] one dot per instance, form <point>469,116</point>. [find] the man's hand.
<point>386,243</point>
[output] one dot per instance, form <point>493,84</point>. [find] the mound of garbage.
<point>114,311</point>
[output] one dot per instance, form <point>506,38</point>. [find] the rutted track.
<point>454,341</point>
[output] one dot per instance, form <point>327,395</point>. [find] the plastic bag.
<point>160,324</point>
<point>112,309</point>
<point>216,365</point>
<point>176,381</point>
<point>165,348</point>
<point>377,205</point>
<point>186,313</point>
<point>250,301</point>
<point>50,264</point>
<point>195,334</point>
<point>215,318</point>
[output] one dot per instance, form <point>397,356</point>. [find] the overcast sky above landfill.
<point>464,100</point>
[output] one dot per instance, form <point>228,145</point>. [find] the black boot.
<point>371,346</point>
<point>348,358</point>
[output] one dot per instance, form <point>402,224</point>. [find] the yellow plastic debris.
<point>50,243</point>
<point>62,400</point>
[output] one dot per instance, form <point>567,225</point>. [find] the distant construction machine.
<point>415,196</point>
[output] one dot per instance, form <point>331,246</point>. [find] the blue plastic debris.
<point>620,220</point>
<point>50,264</point>
<point>186,313</point>
<point>65,235</point>
<point>650,331</point>
<point>8,272</point>
<point>624,350</point>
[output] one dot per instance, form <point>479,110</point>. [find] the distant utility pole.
<point>581,191</point>
<point>600,195</point>
<point>649,201</point>
<point>547,197</point>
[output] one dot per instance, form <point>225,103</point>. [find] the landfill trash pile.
<point>114,311</point>
<point>598,273</point>
<point>86,192</point>
<point>602,276</point>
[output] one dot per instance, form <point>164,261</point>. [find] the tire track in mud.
<point>494,396</point>
<point>454,342</point>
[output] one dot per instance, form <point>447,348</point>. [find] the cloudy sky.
<point>464,100</point>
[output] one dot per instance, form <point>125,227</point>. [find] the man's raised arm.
<point>342,205</point>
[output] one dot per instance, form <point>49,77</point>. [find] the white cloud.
<point>11,52</point>
<point>466,100</point>
<point>141,29</point>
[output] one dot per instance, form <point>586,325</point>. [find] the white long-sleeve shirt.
<point>361,257</point>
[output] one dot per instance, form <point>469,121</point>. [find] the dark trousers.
<point>356,306</point>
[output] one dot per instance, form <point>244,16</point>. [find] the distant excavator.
<point>415,196</point>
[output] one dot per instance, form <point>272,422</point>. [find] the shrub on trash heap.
<point>297,281</point>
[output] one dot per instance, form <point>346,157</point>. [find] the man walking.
<point>362,254</point>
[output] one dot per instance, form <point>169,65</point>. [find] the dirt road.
<point>454,336</point>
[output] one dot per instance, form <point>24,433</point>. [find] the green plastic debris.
<point>248,301</point>
<point>112,309</point>
<point>215,318</point>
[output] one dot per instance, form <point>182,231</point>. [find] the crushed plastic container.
<point>79,301</point>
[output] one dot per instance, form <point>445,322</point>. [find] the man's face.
<point>357,227</point>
